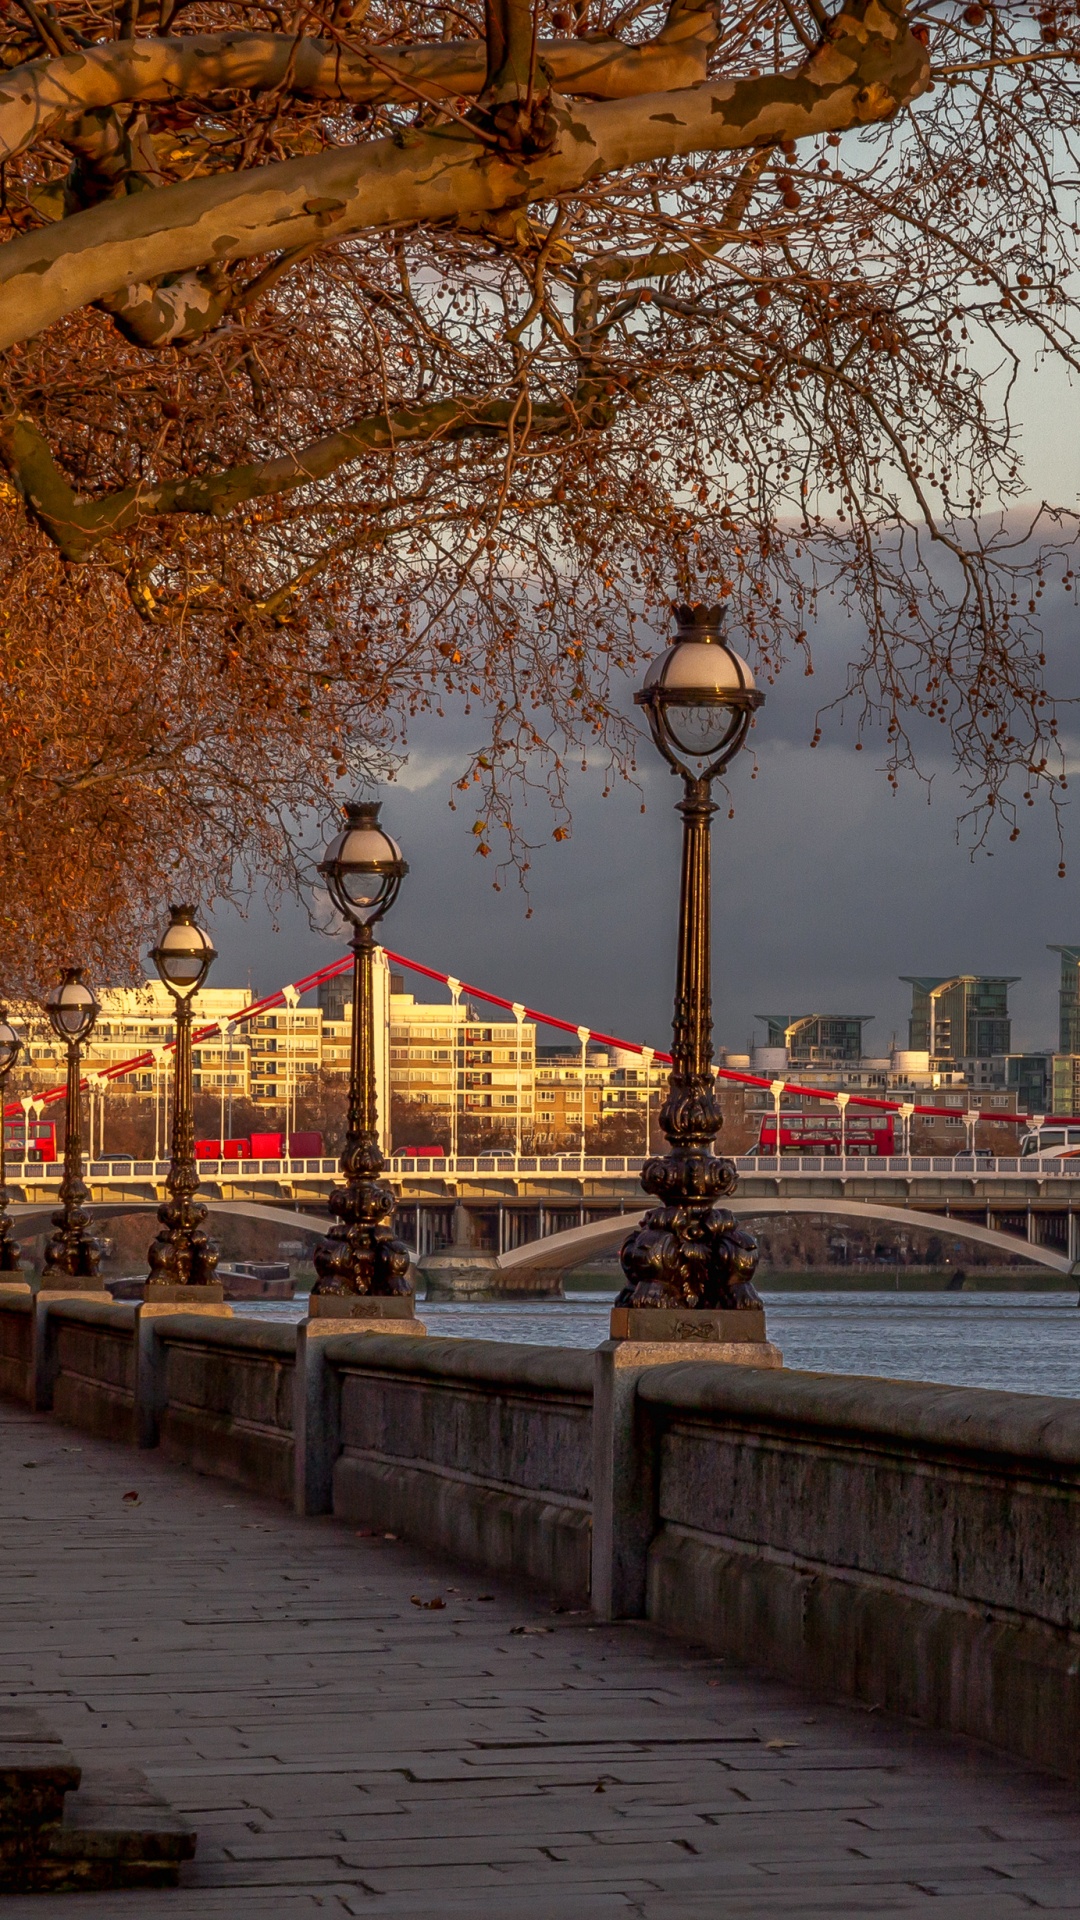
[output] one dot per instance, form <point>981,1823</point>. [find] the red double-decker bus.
<point>864,1132</point>
<point>41,1144</point>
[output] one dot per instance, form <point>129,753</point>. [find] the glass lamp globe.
<point>71,1006</point>
<point>699,695</point>
<point>362,866</point>
<point>184,954</point>
<point>10,1044</point>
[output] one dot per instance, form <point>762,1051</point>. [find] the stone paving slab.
<point>344,1750</point>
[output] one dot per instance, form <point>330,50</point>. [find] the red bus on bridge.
<point>866,1132</point>
<point>42,1141</point>
<point>263,1146</point>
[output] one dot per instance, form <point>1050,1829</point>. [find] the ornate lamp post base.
<point>72,1255</point>
<point>182,1262</point>
<point>370,1314</point>
<point>363,1269</point>
<point>72,1258</point>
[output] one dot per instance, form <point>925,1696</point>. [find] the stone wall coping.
<point>483,1363</point>
<point>93,1313</point>
<point>15,1302</point>
<point>238,1334</point>
<point>1014,1427</point>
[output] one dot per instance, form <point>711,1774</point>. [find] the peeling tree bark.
<point>37,99</point>
<point>869,67</point>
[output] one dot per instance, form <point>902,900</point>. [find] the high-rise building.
<point>1068,999</point>
<point>1034,1079</point>
<point>817,1039</point>
<point>960,1017</point>
<point>1065,1084</point>
<point>334,996</point>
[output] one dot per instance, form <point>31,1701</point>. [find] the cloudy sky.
<point>826,886</point>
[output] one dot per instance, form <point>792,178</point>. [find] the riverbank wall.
<point>912,1547</point>
<point>867,1279</point>
<point>958,1279</point>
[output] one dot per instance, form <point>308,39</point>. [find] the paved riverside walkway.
<point>346,1751</point>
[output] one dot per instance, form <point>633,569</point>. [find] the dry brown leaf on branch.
<point>420,355</point>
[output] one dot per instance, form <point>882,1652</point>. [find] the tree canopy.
<point>358,357</point>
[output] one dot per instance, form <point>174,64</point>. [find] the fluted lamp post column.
<point>10,1049</point>
<point>363,1270</point>
<point>182,1264</point>
<point>72,1255</point>
<point>689,1266</point>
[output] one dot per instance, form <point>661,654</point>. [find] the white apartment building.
<point>441,1056</point>
<point>447,1058</point>
<point>265,1059</point>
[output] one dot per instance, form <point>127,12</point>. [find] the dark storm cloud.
<point>826,886</point>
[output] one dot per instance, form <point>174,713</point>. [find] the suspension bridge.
<point>507,1203</point>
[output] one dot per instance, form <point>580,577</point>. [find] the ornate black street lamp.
<point>699,698</point>
<point>363,869</point>
<point>181,1255</point>
<point>71,1252</point>
<point>10,1049</point>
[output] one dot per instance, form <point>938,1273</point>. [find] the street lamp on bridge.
<point>71,1252</point>
<point>699,698</point>
<point>181,1258</point>
<point>363,869</point>
<point>10,1049</point>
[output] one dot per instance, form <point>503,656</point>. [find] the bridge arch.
<point>562,1251</point>
<point>28,1212</point>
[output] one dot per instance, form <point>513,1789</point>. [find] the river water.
<point>1023,1342</point>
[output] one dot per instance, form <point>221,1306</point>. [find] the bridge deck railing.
<point>566,1164</point>
<point>748,1164</point>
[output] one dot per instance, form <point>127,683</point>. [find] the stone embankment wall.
<point>480,1448</point>
<point>913,1547</point>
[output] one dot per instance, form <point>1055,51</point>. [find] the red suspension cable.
<point>138,1062</point>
